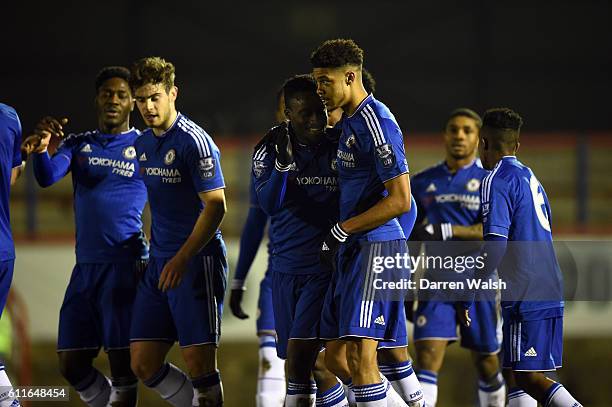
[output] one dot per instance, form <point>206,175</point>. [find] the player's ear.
<point>350,77</point>
<point>518,144</point>
<point>173,93</point>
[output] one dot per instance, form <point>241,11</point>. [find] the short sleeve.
<point>496,207</point>
<point>387,145</point>
<point>203,161</point>
<point>17,143</point>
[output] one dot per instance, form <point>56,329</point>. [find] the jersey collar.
<point>364,102</point>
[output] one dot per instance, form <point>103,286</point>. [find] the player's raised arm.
<point>48,170</point>
<point>271,169</point>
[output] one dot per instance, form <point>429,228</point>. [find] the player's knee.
<point>200,360</point>
<point>393,355</point>
<point>360,359</point>
<point>487,365</point>
<point>144,367</point>
<point>336,363</point>
<point>528,381</point>
<point>427,356</point>
<point>74,367</point>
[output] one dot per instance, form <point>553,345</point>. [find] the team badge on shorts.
<point>421,321</point>
<point>385,155</point>
<point>206,167</point>
<point>473,185</point>
<point>170,156</point>
<point>129,153</point>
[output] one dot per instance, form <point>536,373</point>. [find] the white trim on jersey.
<point>379,138</point>
<point>486,183</point>
<point>368,108</point>
<point>261,153</point>
<point>196,134</point>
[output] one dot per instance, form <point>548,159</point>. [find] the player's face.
<point>156,104</point>
<point>307,114</point>
<point>461,137</point>
<point>114,103</point>
<point>331,86</point>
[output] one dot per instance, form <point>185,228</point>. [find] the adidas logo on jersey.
<point>143,157</point>
<point>325,247</point>
<point>531,352</point>
<point>86,149</point>
<point>380,320</point>
<point>431,188</point>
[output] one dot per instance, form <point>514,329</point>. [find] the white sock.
<point>518,398</point>
<point>271,374</point>
<point>371,395</point>
<point>404,381</point>
<point>558,396</point>
<point>124,391</point>
<point>350,394</point>
<point>172,385</point>
<point>6,386</point>
<point>209,388</point>
<point>492,393</point>
<point>297,392</point>
<point>333,397</point>
<point>393,398</point>
<point>429,383</point>
<point>95,389</point>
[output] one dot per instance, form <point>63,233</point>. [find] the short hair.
<point>465,112</point>
<point>368,81</point>
<point>506,125</point>
<point>337,53</point>
<point>109,72</point>
<point>298,84</point>
<point>502,118</point>
<point>152,70</point>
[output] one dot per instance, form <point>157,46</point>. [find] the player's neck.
<point>121,128</point>
<point>165,126</point>
<point>354,102</point>
<point>455,164</point>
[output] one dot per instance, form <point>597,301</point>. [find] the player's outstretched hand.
<point>172,273</point>
<point>284,150</point>
<point>46,128</point>
<point>236,303</point>
<point>463,315</point>
<point>331,244</point>
<point>432,231</point>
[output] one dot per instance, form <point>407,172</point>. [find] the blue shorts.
<point>190,313</point>
<point>438,320</point>
<point>265,311</point>
<point>401,339</point>
<point>6,276</point>
<point>298,302</point>
<point>534,345</point>
<point>353,308</point>
<point>97,307</point>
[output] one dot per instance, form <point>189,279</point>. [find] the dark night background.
<point>550,61</point>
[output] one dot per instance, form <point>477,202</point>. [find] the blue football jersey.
<point>445,197</point>
<point>10,157</point>
<point>109,194</point>
<point>306,207</point>
<point>370,152</point>
<point>515,206</point>
<point>176,166</point>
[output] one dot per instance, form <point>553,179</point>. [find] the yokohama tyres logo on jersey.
<point>120,167</point>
